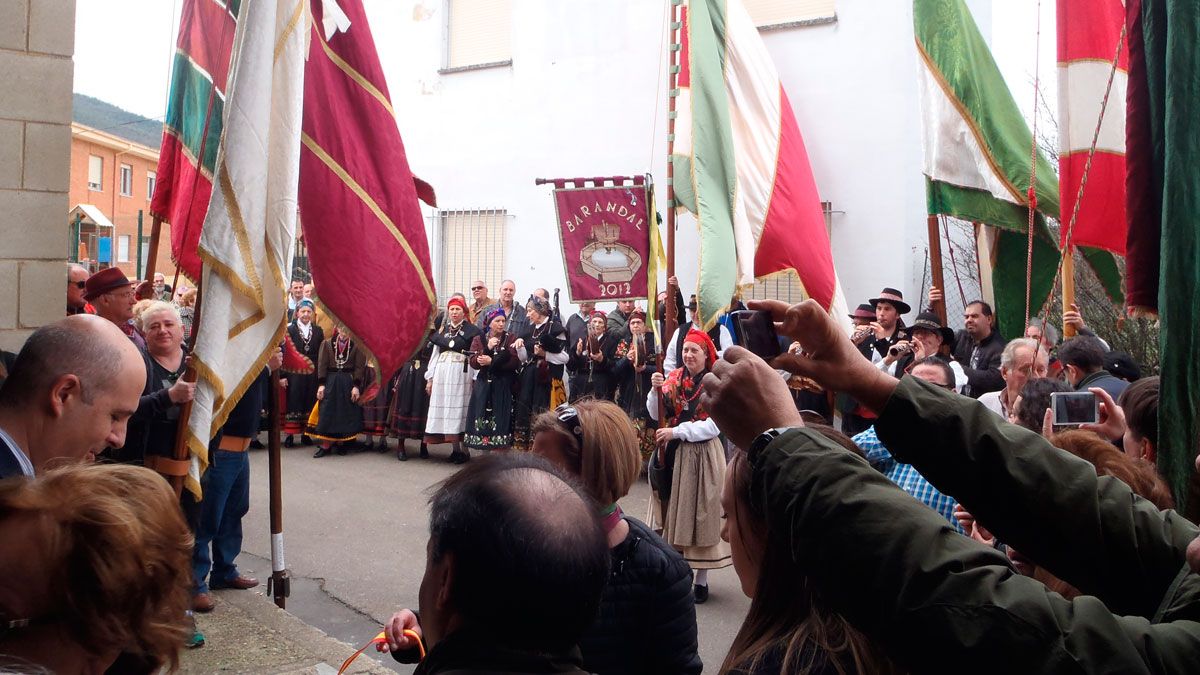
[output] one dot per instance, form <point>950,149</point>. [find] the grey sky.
<point>123,48</point>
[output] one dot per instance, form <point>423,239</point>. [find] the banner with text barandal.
<point>605,236</point>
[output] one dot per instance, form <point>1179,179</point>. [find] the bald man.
<point>70,394</point>
<point>77,276</point>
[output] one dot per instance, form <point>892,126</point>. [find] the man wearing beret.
<point>111,292</point>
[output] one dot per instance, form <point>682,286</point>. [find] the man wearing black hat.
<point>928,338</point>
<point>111,292</point>
<point>853,419</point>
<point>888,327</point>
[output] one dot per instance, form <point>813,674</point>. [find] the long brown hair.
<point>787,616</point>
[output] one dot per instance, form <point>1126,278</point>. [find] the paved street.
<point>355,529</point>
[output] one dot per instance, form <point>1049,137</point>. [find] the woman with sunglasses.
<point>691,460</point>
<point>647,618</point>
<point>494,361</point>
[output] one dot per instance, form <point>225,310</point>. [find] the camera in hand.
<point>1074,407</point>
<point>755,330</point>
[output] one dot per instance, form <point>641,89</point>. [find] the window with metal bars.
<point>471,245</point>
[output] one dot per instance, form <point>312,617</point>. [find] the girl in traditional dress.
<point>632,371</point>
<point>692,515</point>
<point>375,402</point>
<point>448,380</point>
<point>341,368</point>
<point>592,360</point>
<point>300,379</point>
<point>495,360</point>
<point>410,402</point>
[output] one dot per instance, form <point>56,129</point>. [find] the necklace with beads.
<point>341,351</point>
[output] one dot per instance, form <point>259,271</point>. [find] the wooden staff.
<point>280,584</point>
<point>935,264</point>
<point>185,411</point>
<point>1068,287</point>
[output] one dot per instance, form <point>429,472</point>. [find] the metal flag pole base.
<point>279,587</point>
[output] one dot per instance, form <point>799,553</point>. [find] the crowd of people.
<point>896,500</point>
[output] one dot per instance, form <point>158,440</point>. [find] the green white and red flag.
<point>365,233</point>
<point>741,167</point>
<point>192,129</point>
<point>1088,34</point>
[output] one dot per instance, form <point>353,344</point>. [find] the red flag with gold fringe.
<point>362,223</point>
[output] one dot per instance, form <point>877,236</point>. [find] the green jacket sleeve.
<point>937,601</point>
<point>1090,531</point>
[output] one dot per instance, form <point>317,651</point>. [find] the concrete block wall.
<point>37,40</point>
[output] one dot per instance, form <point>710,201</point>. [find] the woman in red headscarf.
<point>448,380</point>
<point>690,453</point>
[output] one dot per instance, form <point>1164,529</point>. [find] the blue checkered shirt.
<point>905,476</point>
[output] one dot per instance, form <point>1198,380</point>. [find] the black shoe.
<point>459,457</point>
<point>257,444</point>
<point>289,442</point>
<point>341,450</point>
<point>701,593</point>
<point>424,452</point>
<point>401,454</point>
<point>381,446</point>
<point>305,440</point>
<point>321,452</point>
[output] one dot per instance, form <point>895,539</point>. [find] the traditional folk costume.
<point>410,403</point>
<point>590,377</point>
<point>376,402</point>
<point>633,386</point>
<point>341,367</point>
<point>489,419</point>
<point>692,516</point>
<point>451,377</point>
<point>541,374</point>
<point>300,370</point>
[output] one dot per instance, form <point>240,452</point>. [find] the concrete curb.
<point>247,633</point>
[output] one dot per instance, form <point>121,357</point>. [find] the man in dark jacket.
<point>490,601</point>
<point>1083,363</point>
<point>938,602</point>
<point>978,348</point>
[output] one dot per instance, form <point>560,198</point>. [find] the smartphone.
<point>755,330</point>
<point>1074,407</point>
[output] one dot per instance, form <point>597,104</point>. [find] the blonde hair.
<point>188,299</point>
<point>151,308</point>
<point>609,461</point>
<point>117,556</point>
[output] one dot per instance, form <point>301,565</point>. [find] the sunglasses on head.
<point>568,417</point>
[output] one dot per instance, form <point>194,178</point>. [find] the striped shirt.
<point>905,476</point>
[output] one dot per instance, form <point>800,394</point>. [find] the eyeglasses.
<point>568,417</point>
<point>477,288</point>
<point>944,386</point>
<point>78,284</point>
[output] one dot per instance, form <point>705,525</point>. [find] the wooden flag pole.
<point>280,584</point>
<point>935,265</point>
<point>152,254</point>
<point>1068,287</point>
<point>185,411</point>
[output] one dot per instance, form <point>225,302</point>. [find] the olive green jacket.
<point>940,602</point>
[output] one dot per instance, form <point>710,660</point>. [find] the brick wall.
<point>37,39</point>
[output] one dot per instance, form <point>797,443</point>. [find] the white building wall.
<point>580,98</point>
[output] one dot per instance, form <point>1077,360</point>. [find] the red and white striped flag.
<point>1088,33</point>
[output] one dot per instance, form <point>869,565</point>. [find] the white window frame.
<point>448,66</point>
<point>798,19</point>
<point>95,173</point>
<point>123,241</point>
<point>487,259</point>
<point>125,181</point>
<point>151,184</point>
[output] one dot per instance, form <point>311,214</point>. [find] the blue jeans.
<point>226,487</point>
